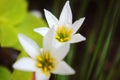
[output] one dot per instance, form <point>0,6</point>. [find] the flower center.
<point>45,62</point>
<point>63,34</point>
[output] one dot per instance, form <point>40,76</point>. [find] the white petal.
<point>36,13</point>
<point>77,24</point>
<point>66,14</point>
<point>51,19</point>
<point>25,64</point>
<point>77,38</point>
<point>41,31</point>
<point>29,45</point>
<point>48,40</point>
<point>39,75</point>
<point>63,68</point>
<point>61,51</point>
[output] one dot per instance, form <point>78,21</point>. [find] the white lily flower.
<point>43,61</point>
<point>64,29</point>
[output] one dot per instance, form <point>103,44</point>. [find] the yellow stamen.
<point>57,37</point>
<point>61,40</point>
<point>46,55</point>
<point>63,34</point>
<point>39,65</point>
<point>50,67</point>
<point>45,62</point>
<point>39,58</point>
<point>66,39</point>
<point>45,69</point>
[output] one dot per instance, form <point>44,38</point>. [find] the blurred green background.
<point>97,58</point>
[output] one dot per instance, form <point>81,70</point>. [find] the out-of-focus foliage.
<point>15,19</point>
<point>12,11</point>
<point>8,35</point>
<point>4,73</point>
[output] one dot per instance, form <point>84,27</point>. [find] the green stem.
<point>99,41</point>
<point>107,43</point>
<point>83,7</point>
<point>112,71</point>
<point>90,43</point>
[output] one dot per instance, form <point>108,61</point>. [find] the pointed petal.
<point>41,31</point>
<point>77,24</point>
<point>48,40</point>
<point>61,51</point>
<point>25,64</point>
<point>29,45</point>
<point>40,76</point>
<point>77,38</point>
<point>66,14</point>
<point>51,19</point>
<point>63,68</point>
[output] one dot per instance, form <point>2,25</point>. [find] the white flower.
<point>64,29</point>
<point>43,61</point>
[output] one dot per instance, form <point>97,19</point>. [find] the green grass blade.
<point>99,41</point>
<point>113,68</point>
<point>107,43</point>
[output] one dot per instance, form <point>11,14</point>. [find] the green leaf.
<point>21,75</point>
<point>8,35</point>
<point>12,11</point>
<point>0,36</point>
<point>4,73</point>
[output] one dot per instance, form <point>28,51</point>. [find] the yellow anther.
<point>47,56</point>
<point>39,65</point>
<point>45,69</point>
<point>39,58</point>
<point>57,37</point>
<point>61,40</point>
<point>50,67</point>
<point>66,39</point>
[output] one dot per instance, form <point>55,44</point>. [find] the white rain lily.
<point>43,61</point>
<point>64,29</point>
